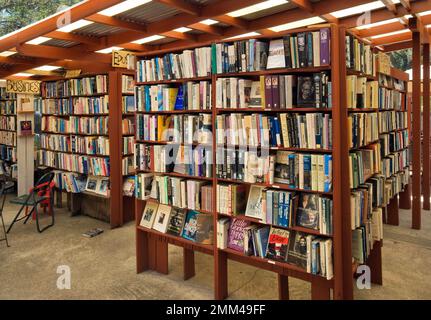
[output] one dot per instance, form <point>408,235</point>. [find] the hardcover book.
<point>26,128</point>
<point>278,244</point>
<point>236,234</point>
<point>276,58</point>
<point>205,229</point>
<point>162,218</point>
<point>254,204</point>
<point>149,214</point>
<point>298,249</point>
<point>190,226</point>
<point>306,91</point>
<point>307,215</point>
<point>176,221</point>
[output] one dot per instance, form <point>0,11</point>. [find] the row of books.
<point>128,126</point>
<point>177,159</point>
<point>8,153</point>
<point>77,125</point>
<point>188,64</point>
<point>188,224</point>
<point>362,129</point>
<point>128,166</point>
<point>128,145</point>
<point>69,181</point>
<point>392,120</point>
<point>175,128</point>
<point>291,130</point>
<point>127,83</point>
<point>363,164</point>
<point>390,82</point>
<point>394,141</point>
<point>4,95</point>
<point>275,92</point>
<point>74,144</point>
<point>301,50</point>
<point>362,93</point>
<point>8,123</point>
<point>8,107</point>
<point>75,87</point>
<point>8,138</point>
<point>360,56</point>
<point>395,162</point>
<point>364,237</point>
<point>391,99</point>
<point>95,166</point>
<point>312,254</point>
<point>77,106</point>
<point>128,104</point>
<point>366,198</point>
<point>186,96</point>
<point>297,170</point>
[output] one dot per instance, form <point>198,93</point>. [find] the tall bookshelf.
<point>152,246</point>
<point>81,133</point>
<point>8,127</point>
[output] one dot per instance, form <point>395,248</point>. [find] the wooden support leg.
<point>426,127</point>
<point>69,201</point>
<point>320,290</point>
<point>162,257</point>
<point>392,212</point>
<point>384,215</point>
<point>406,198</point>
<point>142,252</point>
<point>220,275</point>
<point>188,263</point>
<point>283,287</point>
<point>375,263</point>
<point>59,199</point>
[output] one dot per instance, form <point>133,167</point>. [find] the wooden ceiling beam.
<point>67,36</point>
<point>416,25</point>
<point>390,6</point>
<point>392,39</point>
<point>116,22</point>
<point>180,35</point>
<point>304,4</point>
<point>41,51</point>
<point>398,46</point>
<point>206,28</point>
<point>406,4</point>
<point>182,6</point>
<point>78,12</point>
<point>386,28</point>
<point>236,22</point>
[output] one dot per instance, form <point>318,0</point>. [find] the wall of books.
<point>8,131</point>
<point>235,156</point>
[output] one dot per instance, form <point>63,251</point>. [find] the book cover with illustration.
<point>278,244</point>
<point>236,234</point>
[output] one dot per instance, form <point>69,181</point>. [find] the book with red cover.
<point>278,244</point>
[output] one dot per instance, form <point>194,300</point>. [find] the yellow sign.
<point>72,73</point>
<point>23,86</point>
<point>384,63</point>
<point>122,59</point>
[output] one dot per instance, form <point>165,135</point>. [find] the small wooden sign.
<point>72,73</point>
<point>384,63</point>
<point>23,86</point>
<point>121,58</point>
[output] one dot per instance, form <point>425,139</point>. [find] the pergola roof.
<point>95,27</point>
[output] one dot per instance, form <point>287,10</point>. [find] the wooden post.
<point>416,131</point>
<point>426,127</point>
<point>406,197</point>
<point>392,212</point>
<point>320,289</point>
<point>283,287</point>
<point>115,147</point>
<point>342,240</point>
<point>374,261</point>
<point>188,263</point>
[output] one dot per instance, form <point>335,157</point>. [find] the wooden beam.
<point>304,4</point>
<point>386,28</point>
<point>406,4</point>
<point>416,131</point>
<point>67,36</point>
<point>56,53</point>
<point>416,24</point>
<point>426,181</point>
<point>180,35</point>
<point>392,39</point>
<point>206,28</point>
<point>182,6</point>
<point>115,22</point>
<point>78,12</point>
<point>236,22</point>
<point>397,46</point>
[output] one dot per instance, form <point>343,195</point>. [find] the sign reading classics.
<point>23,86</point>
<point>384,63</point>
<point>120,59</point>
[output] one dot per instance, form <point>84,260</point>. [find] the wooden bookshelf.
<point>152,247</point>
<point>9,125</point>
<point>111,204</point>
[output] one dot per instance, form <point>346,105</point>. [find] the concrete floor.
<point>104,267</point>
